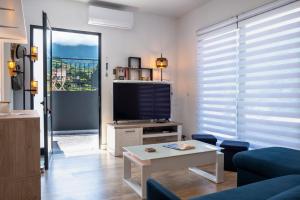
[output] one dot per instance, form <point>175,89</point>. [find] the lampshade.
<point>34,53</point>
<point>161,62</point>
<point>11,65</point>
<point>33,87</point>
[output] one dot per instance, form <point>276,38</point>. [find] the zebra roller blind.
<point>261,89</point>
<point>217,88</point>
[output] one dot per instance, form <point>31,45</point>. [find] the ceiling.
<point>171,8</point>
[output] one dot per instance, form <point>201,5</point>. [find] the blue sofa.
<point>261,164</point>
<point>263,174</point>
<point>280,188</point>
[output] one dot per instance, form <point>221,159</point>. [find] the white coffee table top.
<point>163,152</point>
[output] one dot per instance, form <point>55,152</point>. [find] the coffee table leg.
<point>145,174</point>
<point>127,168</point>
<point>220,167</point>
<point>218,176</point>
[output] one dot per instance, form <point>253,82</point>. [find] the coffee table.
<point>165,159</point>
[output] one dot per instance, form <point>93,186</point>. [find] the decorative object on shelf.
<point>142,78</point>
<point>161,63</point>
<point>134,62</point>
<point>127,73</point>
<point>20,52</point>
<point>121,73</point>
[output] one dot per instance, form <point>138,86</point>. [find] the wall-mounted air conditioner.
<point>110,18</point>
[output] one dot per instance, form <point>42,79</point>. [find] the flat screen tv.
<point>141,101</point>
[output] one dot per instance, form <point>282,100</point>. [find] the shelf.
<point>153,135</point>
<point>141,81</point>
<point>138,68</point>
<point>142,68</point>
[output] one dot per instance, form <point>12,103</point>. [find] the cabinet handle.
<point>130,131</point>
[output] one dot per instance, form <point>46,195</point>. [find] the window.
<point>252,90</point>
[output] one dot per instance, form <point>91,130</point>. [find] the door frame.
<point>32,27</point>
<point>47,101</point>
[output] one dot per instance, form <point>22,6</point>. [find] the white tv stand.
<point>138,133</point>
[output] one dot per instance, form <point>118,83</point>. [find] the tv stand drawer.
<point>119,138</point>
<point>130,131</point>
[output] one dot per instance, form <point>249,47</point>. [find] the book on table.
<point>180,147</point>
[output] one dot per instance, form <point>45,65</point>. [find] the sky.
<point>74,39</point>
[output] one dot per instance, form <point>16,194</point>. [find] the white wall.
<point>151,35</point>
<point>211,13</point>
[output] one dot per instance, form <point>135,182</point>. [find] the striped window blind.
<point>249,79</point>
<point>217,77</point>
<point>269,78</point>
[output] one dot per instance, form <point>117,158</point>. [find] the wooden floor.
<point>99,177</point>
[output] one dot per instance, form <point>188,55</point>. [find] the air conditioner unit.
<point>110,18</point>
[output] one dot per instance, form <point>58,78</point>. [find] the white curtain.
<point>249,79</point>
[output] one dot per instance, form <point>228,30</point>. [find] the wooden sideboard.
<point>20,156</point>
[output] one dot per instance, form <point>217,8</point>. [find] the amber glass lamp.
<point>11,65</point>
<point>34,87</point>
<point>161,63</point>
<point>34,53</point>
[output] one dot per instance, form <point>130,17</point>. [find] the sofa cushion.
<point>235,145</point>
<point>207,138</point>
<point>269,162</point>
<point>256,191</point>
<point>291,194</point>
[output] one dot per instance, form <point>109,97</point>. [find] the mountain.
<point>79,51</point>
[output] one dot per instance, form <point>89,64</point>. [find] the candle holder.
<point>33,88</point>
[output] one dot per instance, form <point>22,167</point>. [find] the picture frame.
<point>134,62</point>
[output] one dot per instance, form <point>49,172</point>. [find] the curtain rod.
<point>245,15</point>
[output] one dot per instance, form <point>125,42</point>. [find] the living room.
<point>195,99</point>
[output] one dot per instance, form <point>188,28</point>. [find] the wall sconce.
<point>33,87</point>
<point>12,68</point>
<point>161,63</point>
<point>34,53</point>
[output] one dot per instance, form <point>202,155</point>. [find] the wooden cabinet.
<point>20,156</point>
<point>131,134</point>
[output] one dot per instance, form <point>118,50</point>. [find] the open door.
<point>47,76</point>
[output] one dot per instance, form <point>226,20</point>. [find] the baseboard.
<point>76,132</point>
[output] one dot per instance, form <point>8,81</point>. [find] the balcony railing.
<point>72,74</point>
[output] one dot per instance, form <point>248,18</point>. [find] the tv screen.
<point>141,101</point>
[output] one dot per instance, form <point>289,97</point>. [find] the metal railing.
<point>74,74</point>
